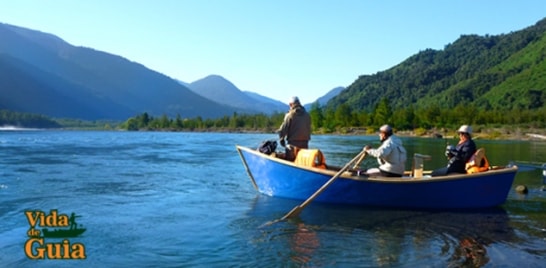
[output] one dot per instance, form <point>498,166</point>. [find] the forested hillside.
<point>504,72</point>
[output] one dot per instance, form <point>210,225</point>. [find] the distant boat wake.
<point>14,128</point>
<point>538,136</point>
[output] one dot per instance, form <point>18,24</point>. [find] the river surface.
<point>165,199</point>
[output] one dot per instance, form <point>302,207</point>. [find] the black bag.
<point>268,147</point>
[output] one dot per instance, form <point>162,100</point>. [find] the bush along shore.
<point>480,132</point>
<point>260,123</point>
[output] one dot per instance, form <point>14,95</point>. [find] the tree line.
<point>327,120</point>
<point>324,119</point>
<point>26,120</point>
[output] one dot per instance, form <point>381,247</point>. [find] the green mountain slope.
<point>489,72</point>
<point>525,89</point>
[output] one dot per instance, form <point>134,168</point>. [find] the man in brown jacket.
<point>296,129</point>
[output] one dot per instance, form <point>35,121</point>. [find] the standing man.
<point>295,129</point>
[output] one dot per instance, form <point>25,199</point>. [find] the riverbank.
<point>501,133</point>
<point>493,134</point>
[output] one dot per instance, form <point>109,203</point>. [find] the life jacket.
<point>478,162</point>
<point>310,158</point>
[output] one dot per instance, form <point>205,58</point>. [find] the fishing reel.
<point>450,151</point>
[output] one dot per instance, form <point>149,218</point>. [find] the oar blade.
<point>269,223</point>
<point>293,213</point>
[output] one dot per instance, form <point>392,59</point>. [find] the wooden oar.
<point>357,164</point>
<point>297,210</point>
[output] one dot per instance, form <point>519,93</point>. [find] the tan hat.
<point>386,129</point>
<point>294,99</point>
<point>465,129</point>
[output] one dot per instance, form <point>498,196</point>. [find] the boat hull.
<point>276,177</point>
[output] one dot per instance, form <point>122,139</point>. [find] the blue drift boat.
<point>274,176</point>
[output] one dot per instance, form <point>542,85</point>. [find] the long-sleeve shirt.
<point>391,155</point>
<point>461,155</point>
<point>296,126</point>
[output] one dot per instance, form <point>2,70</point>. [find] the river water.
<point>163,199</point>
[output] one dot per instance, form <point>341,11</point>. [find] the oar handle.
<point>296,210</point>
<point>357,164</point>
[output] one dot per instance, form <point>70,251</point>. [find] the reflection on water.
<point>385,237</point>
<point>472,251</point>
<point>303,243</point>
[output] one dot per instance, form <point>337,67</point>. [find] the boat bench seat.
<point>418,165</point>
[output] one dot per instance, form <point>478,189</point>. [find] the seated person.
<point>391,155</point>
<point>458,155</point>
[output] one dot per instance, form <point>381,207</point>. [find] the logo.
<point>62,227</point>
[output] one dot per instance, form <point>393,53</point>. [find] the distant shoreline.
<point>488,134</point>
<point>514,134</point>
<point>485,136</point>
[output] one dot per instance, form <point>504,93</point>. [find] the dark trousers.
<point>292,150</point>
<point>444,171</point>
<point>389,174</point>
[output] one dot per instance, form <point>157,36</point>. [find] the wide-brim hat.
<point>465,129</point>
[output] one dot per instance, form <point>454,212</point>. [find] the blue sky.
<point>275,48</point>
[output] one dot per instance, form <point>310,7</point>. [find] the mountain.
<point>322,101</point>
<point>275,105</point>
<point>501,72</point>
<point>25,88</point>
<point>220,90</point>
<point>328,96</point>
<point>41,73</point>
<point>183,83</point>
